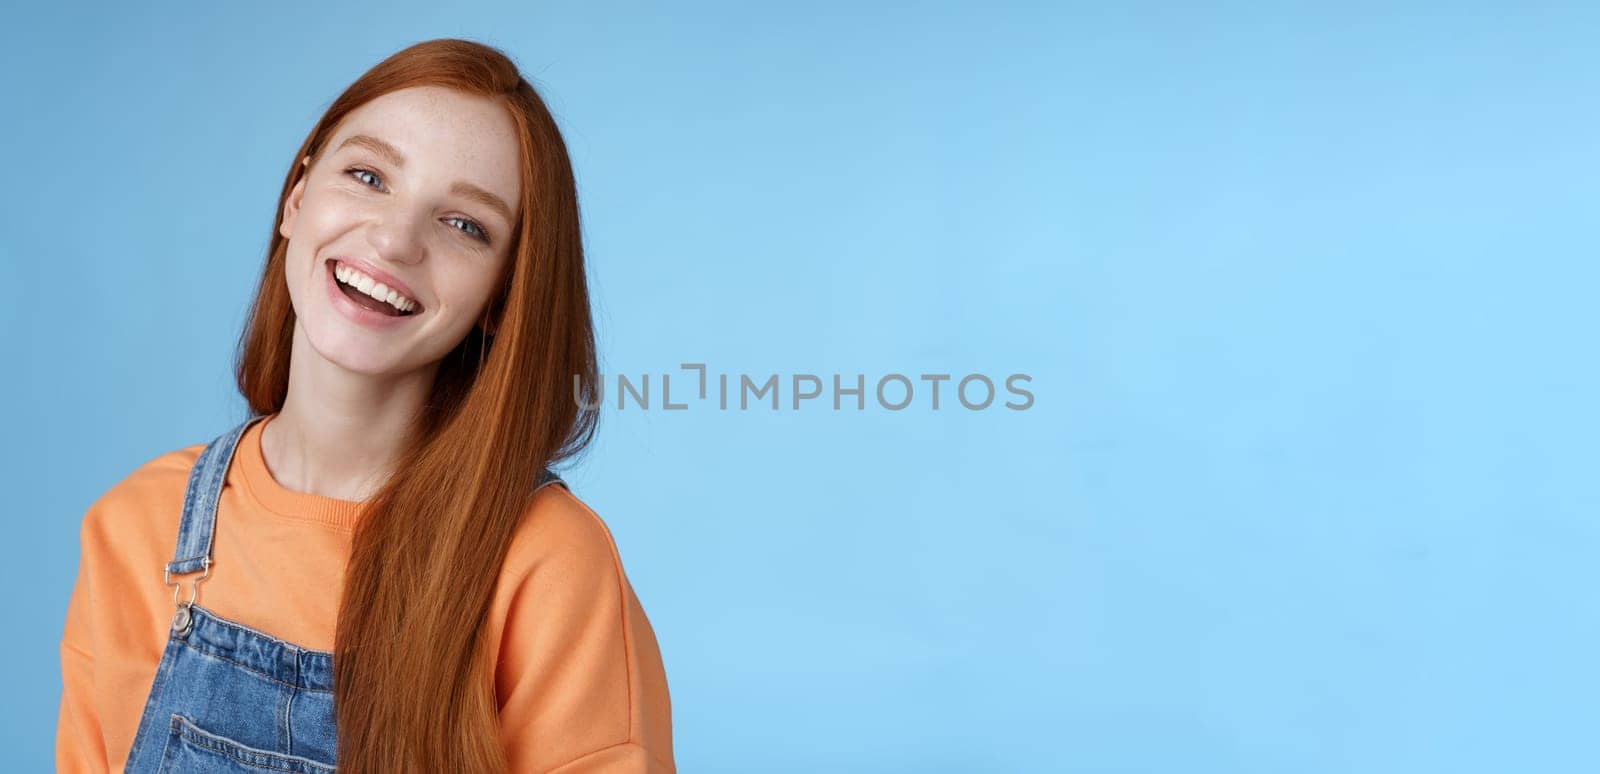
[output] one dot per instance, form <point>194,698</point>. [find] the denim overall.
<point>226,697</point>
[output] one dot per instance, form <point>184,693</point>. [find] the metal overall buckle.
<point>182,619</point>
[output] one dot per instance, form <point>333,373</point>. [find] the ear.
<point>291,207</point>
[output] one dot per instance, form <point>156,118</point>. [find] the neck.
<point>339,432</point>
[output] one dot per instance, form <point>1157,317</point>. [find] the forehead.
<point>445,136</point>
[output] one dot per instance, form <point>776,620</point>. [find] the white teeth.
<point>372,287</point>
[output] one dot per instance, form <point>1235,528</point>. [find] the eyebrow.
<point>393,155</point>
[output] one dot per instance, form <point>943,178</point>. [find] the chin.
<point>347,349</point>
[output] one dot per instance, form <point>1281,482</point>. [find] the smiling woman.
<point>394,577</point>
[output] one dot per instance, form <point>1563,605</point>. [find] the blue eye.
<point>478,232</point>
<point>475,230</point>
<point>357,171</point>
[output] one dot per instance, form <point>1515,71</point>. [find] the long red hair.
<point>413,686</point>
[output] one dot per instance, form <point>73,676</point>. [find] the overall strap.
<point>193,552</point>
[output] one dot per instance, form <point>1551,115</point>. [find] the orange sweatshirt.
<point>579,680</point>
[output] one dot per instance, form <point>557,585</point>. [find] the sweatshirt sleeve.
<point>625,757</point>
<point>580,680</point>
<point>80,745</point>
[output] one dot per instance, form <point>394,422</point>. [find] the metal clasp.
<point>181,619</point>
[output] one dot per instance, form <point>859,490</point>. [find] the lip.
<point>378,274</point>
<point>359,314</point>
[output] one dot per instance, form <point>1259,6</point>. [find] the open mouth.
<point>363,291</point>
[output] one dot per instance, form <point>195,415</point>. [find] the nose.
<point>396,238</point>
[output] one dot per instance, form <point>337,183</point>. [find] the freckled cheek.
<point>462,290</point>
<point>328,216</point>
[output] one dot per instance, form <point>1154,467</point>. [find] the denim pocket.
<point>194,750</point>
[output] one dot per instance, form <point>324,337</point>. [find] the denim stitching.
<point>166,747</point>
<point>288,707</point>
<point>248,668</point>
<point>188,506</point>
<point>157,689</point>
<point>214,492</point>
<point>263,635</point>
<point>199,737</point>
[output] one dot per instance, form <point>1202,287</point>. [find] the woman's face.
<point>417,190</point>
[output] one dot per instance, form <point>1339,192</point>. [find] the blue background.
<point>1307,297</point>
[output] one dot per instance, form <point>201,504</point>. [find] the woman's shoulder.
<point>561,531</point>
<point>160,476</point>
<point>561,563</point>
<point>139,512</point>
